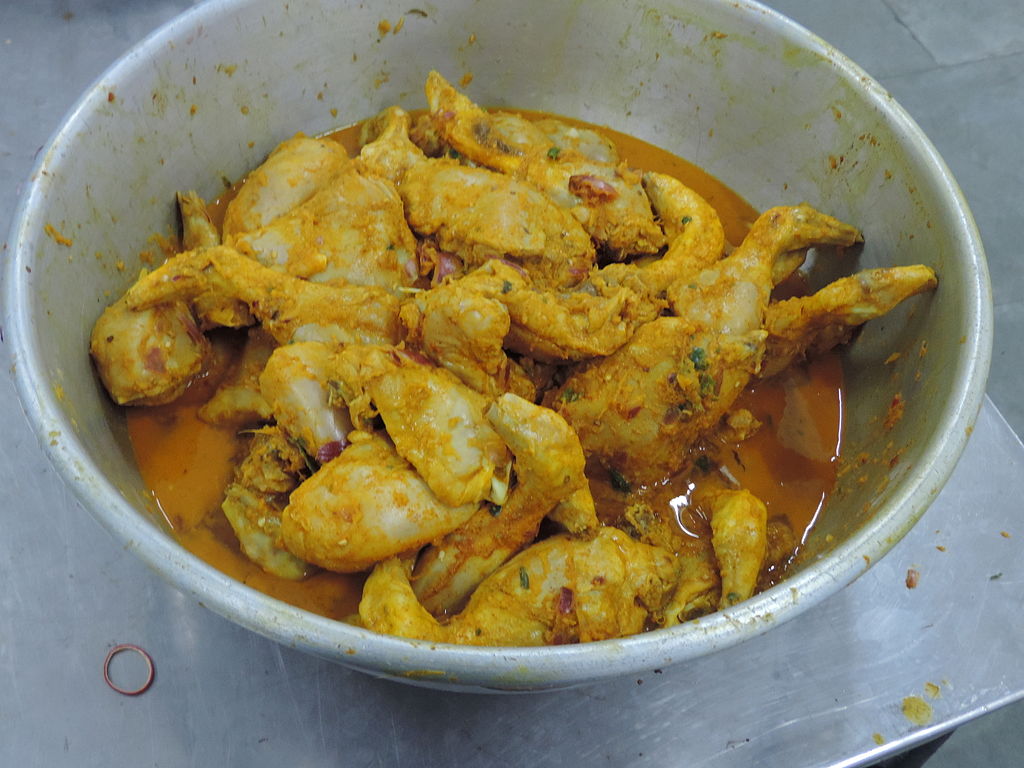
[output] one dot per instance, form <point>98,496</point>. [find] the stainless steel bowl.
<point>759,102</point>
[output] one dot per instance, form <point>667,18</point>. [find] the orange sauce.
<point>790,463</point>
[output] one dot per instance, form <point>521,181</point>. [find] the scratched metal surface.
<point>823,689</point>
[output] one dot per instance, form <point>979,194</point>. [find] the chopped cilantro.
<point>570,396</point>
<point>524,578</point>
<point>494,509</point>
<point>554,152</point>
<point>686,220</point>
<point>453,153</point>
<point>699,358</point>
<point>708,385</point>
<point>506,286</point>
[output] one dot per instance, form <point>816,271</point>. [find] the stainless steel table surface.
<point>828,688</point>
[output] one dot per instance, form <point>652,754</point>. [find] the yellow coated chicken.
<point>450,338</point>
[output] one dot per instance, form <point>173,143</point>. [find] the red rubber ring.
<point>149,664</point>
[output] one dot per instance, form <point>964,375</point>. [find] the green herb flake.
<point>493,509</point>
<point>732,598</point>
<point>619,483</point>
<point>570,396</point>
<point>699,358</point>
<point>453,153</point>
<point>524,578</point>
<point>554,152</point>
<point>996,576</point>
<point>708,385</point>
<point>506,287</point>
<point>686,220</point>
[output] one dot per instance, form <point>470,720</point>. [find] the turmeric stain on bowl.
<point>917,710</point>
<point>54,234</point>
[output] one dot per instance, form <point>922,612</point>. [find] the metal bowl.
<point>759,102</point>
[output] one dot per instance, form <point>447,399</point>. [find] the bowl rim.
<point>492,667</point>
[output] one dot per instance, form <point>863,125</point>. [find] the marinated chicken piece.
<point>253,502</point>
<point>148,356</point>
<point>695,234</point>
<point>606,199</point>
<point>698,587</point>
<point>351,231</point>
<point>739,536</point>
<point>552,326</point>
<point>295,384</point>
<point>549,467</point>
<point>568,137</point>
<point>478,215</point>
<point>475,214</point>
<point>437,423</point>
<point>810,325</point>
<point>197,229</point>
<point>237,400</point>
<point>289,308</point>
<point>640,409</point>
<point>464,332</point>
<point>386,146</point>
<point>732,294</point>
<point>291,174</point>
<point>364,506</point>
<point>560,590</point>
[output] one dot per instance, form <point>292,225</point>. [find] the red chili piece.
<point>151,669</point>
